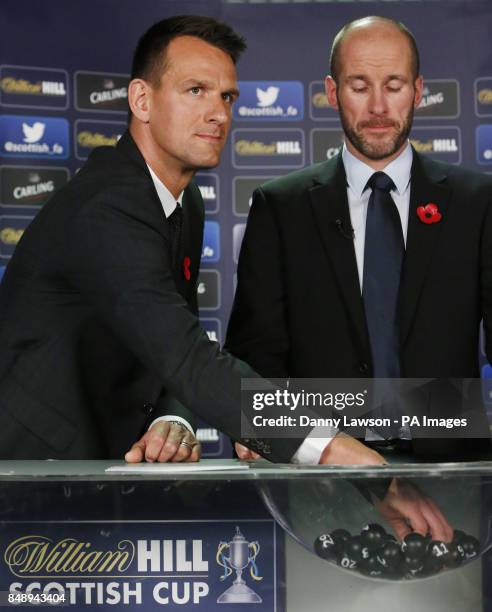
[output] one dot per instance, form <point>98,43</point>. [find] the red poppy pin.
<point>429,213</point>
<point>186,268</point>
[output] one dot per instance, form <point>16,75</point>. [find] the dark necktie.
<point>175,221</point>
<point>383,257</point>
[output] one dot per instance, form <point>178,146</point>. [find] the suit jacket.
<point>98,333</point>
<point>298,310</point>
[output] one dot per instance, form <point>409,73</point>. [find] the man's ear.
<point>331,92</point>
<point>139,99</point>
<point>419,89</point>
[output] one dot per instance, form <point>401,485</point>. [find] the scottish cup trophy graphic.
<point>241,555</point>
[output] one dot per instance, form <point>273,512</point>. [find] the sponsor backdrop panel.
<point>60,100</point>
<point>138,545</point>
<point>143,565</point>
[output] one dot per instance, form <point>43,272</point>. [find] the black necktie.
<point>175,221</point>
<point>383,257</point>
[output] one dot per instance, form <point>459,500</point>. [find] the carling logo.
<point>96,91</point>
<point>29,186</point>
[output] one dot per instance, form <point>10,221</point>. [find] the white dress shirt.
<point>168,206</point>
<point>358,173</point>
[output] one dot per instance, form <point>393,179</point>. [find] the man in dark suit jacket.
<point>300,310</point>
<point>99,333</point>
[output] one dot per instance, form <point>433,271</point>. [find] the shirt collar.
<point>165,196</point>
<point>358,173</point>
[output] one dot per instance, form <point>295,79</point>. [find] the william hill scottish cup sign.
<point>128,566</point>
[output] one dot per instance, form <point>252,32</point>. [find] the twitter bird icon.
<point>33,133</point>
<point>267,97</point>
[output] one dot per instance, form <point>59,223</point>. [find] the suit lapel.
<point>193,215</point>
<point>192,238</point>
<point>331,211</point>
<point>127,146</point>
<point>428,185</point>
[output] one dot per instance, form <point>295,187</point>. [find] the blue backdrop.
<point>63,75</point>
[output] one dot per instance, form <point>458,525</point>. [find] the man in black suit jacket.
<point>299,309</point>
<point>99,333</point>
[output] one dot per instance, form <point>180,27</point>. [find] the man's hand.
<point>345,450</point>
<point>165,441</point>
<point>404,506</point>
<point>244,453</point>
<point>407,509</point>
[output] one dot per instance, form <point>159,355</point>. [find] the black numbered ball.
<point>436,554</point>
<point>470,545</point>
<point>390,555</point>
<point>413,565</point>
<point>373,536</point>
<point>458,535</point>
<point>326,547</point>
<point>395,573</point>
<point>414,545</point>
<point>430,568</point>
<point>455,556</point>
<point>340,535</point>
<point>347,562</point>
<point>354,549</point>
<point>371,566</point>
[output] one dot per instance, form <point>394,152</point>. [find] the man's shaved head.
<point>368,23</point>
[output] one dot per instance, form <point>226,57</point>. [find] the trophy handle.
<point>253,569</point>
<point>223,560</point>
<point>255,547</point>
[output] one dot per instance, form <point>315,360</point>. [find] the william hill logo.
<point>33,87</point>
<point>319,109</point>
<point>209,434</point>
<point>96,139</point>
<point>92,134</point>
<point>78,560</point>
<point>319,100</point>
<point>280,147</point>
<point>268,148</point>
<point>138,565</point>
<point>440,143</point>
<point>34,555</point>
<point>207,192</point>
<point>10,235</point>
<point>436,145</point>
<point>11,85</point>
<point>484,96</point>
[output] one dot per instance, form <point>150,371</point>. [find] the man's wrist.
<point>172,418</point>
<point>312,448</point>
